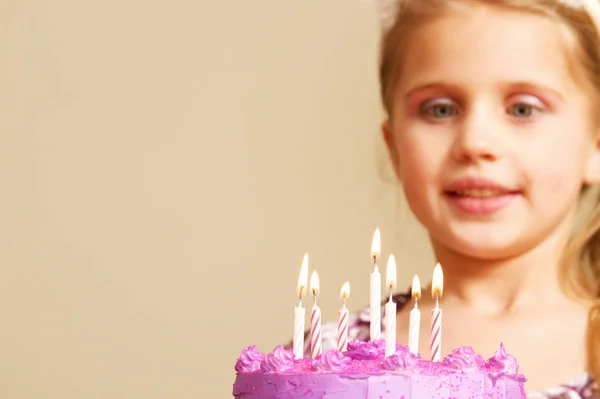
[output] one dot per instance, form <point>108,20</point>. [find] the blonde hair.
<point>580,268</point>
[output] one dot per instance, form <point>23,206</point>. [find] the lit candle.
<point>390,308</point>
<point>299,312</point>
<point>375,313</point>
<point>437,287</point>
<point>414,325</point>
<point>344,314</point>
<point>315,318</point>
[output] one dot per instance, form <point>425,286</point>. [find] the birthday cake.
<point>364,372</point>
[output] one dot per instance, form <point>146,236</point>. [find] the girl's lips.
<point>480,196</point>
<point>477,183</point>
<point>482,205</point>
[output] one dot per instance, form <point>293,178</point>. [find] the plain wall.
<point>164,166</point>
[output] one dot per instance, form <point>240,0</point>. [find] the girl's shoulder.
<point>583,387</point>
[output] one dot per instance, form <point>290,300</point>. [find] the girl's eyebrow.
<point>518,85</point>
<point>432,86</point>
<point>535,87</point>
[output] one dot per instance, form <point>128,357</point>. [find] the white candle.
<point>344,315</point>
<point>315,318</point>
<point>375,302</point>
<point>414,326</point>
<point>390,308</point>
<point>299,311</point>
<point>436,315</point>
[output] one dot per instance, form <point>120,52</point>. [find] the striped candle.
<point>436,334</point>
<point>344,315</point>
<point>342,338</point>
<point>414,326</point>
<point>315,332</point>
<point>437,287</point>
<point>315,318</point>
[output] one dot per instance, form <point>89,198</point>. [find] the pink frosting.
<point>401,359</point>
<point>362,372</point>
<point>465,359</point>
<point>503,362</point>
<point>361,350</point>
<point>279,360</point>
<point>250,360</point>
<point>332,360</point>
<point>369,357</point>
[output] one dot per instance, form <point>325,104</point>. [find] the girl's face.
<point>490,134</point>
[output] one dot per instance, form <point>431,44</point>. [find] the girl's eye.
<point>522,110</point>
<point>526,107</point>
<point>439,110</point>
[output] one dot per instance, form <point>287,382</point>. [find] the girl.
<point>492,130</point>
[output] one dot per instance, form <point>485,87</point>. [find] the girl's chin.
<point>485,247</point>
<point>485,254</point>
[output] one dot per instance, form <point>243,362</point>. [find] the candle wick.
<point>437,300</point>
<point>315,300</point>
<point>416,302</point>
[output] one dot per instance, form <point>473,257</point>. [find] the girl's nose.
<point>475,138</point>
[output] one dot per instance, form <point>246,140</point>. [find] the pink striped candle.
<point>344,315</point>
<point>315,319</point>
<point>436,315</point>
<point>414,326</point>
<point>436,334</point>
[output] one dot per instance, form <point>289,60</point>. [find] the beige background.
<point>164,166</point>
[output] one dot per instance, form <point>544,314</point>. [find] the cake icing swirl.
<point>464,358</point>
<point>401,359</point>
<point>503,362</point>
<point>332,360</point>
<point>280,359</point>
<point>250,360</point>
<point>372,350</point>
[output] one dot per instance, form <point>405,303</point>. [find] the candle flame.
<point>390,276</point>
<point>314,284</point>
<point>345,292</point>
<point>303,279</point>
<point>416,288</point>
<point>376,246</point>
<point>437,285</point>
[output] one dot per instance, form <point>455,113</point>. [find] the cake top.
<point>369,357</point>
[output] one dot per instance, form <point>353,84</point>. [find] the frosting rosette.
<point>280,359</point>
<point>465,359</point>
<point>332,360</point>
<point>372,350</point>
<point>401,359</point>
<point>502,362</point>
<point>250,360</point>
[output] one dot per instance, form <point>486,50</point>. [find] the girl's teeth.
<point>478,193</point>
